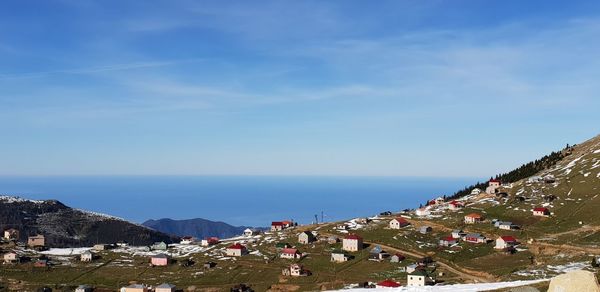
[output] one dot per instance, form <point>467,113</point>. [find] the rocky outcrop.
<point>575,281</point>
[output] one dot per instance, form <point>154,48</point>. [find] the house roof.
<point>289,251</point>
<point>508,238</point>
<point>236,246</point>
<point>540,209</point>
<point>277,223</point>
<point>160,256</point>
<point>474,235</point>
<point>353,237</point>
<point>494,180</point>
<point>165,285</point>
<point>449,238</point>
<point>474,215</point>
<point>388,283</point>
<point>401,220</point>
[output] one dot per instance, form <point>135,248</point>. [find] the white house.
<point>455,205</point>
<point>425,229</point>
<point>84,288</point>
<point>398,223</point>
<point>475,238</point>
<point>473,218</point>
<point>505,242</point>
<point>352,242</point>
<point>339,256</point>
<point>87,256</point>
<point>135,288</point>
<point>187,240</point>
<point>166,287</point>
<point>418,278</point>
<point>236,250</point>
<point>422,212</point>
<point>306,237</point>
<point>11,234</point>
<point>10,258</point>
<point>540,211</point>
<point>251,232</point>
<point>448,241</point>
<point>295,270</point>
<point>458,233</point>
<point>493,186</point>
<point>476,191</point>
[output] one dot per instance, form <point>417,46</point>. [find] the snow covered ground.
<point>458,287</point>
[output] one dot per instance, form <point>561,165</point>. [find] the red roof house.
<point>540,211</point>
<point>388,284</point>
<point>290,253</point>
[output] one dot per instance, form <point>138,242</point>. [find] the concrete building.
<point>352,243</point>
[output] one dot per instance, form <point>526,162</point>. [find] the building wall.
<point>159,261</point>
<point>415,281</point>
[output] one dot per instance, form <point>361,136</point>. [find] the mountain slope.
<point>199,228</point>
<point>64,226</point>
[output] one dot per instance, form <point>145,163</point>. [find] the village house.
<point>505,225</point>
<point>36,241</point>
<point>333,239</point>
<point>473,218</point>
<point>41,263</point>
<point>398,223</point>
<point>209,241</point>
<point>11,234</point>
<point>352,242</point>
<point>493,186</point>
<point>306,237</point>
<point>165,287</point>
<point>295,270</point>
<point>419,278</point>
<point>101,247</point>
<point>135,288</point>
<point>86,256</point>
<point>475,238</point>
<point>504,242</point>
<point>290,253</point>
<point>187,240</point>
<point>540,211</point>
<point>457,233</point>
<point>475,191</point>
<point>425,229</point>
<point>11,258</point>
<point>251,232</point>
<point>277,226</point>
<point>455,205</point>
<point>448,241</point>
<point>377,254</point>
<point>423,212</point>
<point>387,284</point>
<point>160,260</point>
<point>236,250</point>
<point>159,246</point>
<point>397,258</point>
<point>338,256</point>
<point>84,288</point>
<point>411,268</point>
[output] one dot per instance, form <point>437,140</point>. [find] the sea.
<point>237,200</point>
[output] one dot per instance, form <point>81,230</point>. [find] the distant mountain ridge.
<point>64,226</point>
<point>198,227</point>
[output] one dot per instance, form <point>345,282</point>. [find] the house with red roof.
<point>541,211</point>
<point>236,250</point>
<point>277,226</point>
<point>209,241</point>
<point>506,241</point>
<point>493,186</point>
<point>290,253</point>
<point>388,284</point>
<point>352,242</point>
<point>455,205</point>
<point>398,223</point>
<point>473,218</point>
<point>448,241</point>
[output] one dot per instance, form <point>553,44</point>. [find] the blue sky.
<point>401,88</point>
